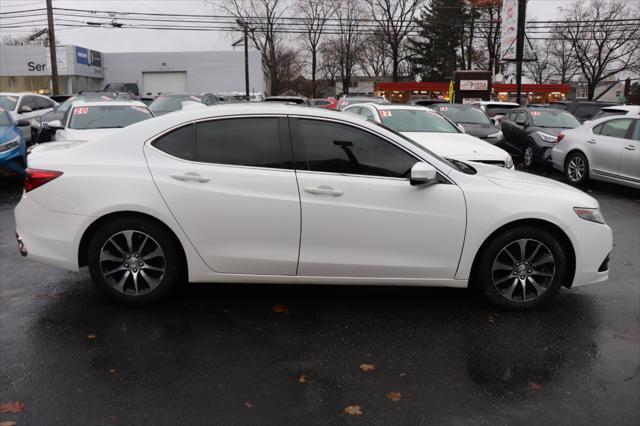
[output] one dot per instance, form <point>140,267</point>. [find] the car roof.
<point>20,94</point>
<point>115,102</point>
<point>441,105</point>
<point>498,103</point>
<point>629,108</point>
<point>393,106</point>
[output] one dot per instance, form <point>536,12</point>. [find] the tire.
<point>528,155</point>
<point>134,260</point>
<point>508,279</point>
<point>576,168</point>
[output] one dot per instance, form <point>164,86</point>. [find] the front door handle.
<point>591,141</point>
<point>324,190</point>
<point>630,147</point>
<point>190,177</point>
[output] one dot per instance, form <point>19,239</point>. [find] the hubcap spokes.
<point>132,262</point>
<point>523,270</point>
<point>576,168</point>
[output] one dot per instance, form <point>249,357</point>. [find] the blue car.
<point>13,149</point>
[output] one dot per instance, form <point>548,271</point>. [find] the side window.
<point>636,131</point>
<point>513,115</point>
<point>598,129</point>
<point>240,141</point>
<point>355,110</point>
<point>366,112</point>
<point>43,103</point>
<point>338,148</point>
<point>179,143</point>
<point>29,101</point>
<point>616,128</point>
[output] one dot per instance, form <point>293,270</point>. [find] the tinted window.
<point>608,113</point>
<point>636,131</point>
<point>554,118</point>
<point>29,101</point>
<point>585,111</point>
<point>616,128</point>
<point>242,142</point>
<point>43,103</point>
<point>179,143</point>
<point>416,120</point>
<point>338,148</point>
<point>497,109</point>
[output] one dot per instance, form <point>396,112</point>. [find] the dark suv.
<point>532,132</point>
<point>582,110</point>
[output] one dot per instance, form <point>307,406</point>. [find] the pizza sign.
<point>474,85</point>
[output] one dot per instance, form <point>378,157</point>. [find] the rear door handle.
<point>630,147</point>
<point>591,140</point>
<point>190,177</point>
<point>323,190</point>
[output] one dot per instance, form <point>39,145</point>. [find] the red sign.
<point>80,110</point>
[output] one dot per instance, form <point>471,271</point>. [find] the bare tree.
<point>604,45</point>
<point>488,48</point>
<point>541,69</point>
<point>329,66</point>
<point>264,19</point>
<point>347,44</point>
<point>375,56</point>
<point>314,15</point>
<point>11,40</point>
<point>563,59</point>
<point>288,68</point>
<point>395,19</point>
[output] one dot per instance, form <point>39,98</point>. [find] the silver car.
<point>606,149</point>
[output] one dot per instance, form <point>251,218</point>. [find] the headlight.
<point>593,215</point>
<point>13,143</point>
<point>547,137</point>
<point>508,163</point>
<point>495,135</point>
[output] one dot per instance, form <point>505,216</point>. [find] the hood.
<point>479,130</point>
<point>85,135</point>
<point>8,132</point>
<point>459,146</point>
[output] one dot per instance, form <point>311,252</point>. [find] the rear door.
<point>227,184</point>
<point>630,155</point>
<point>606,145</point>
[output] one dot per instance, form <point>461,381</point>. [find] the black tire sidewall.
<point>585,176</point>
<point>497,243</point>
<point>173,272</point>
<point>533,153</point>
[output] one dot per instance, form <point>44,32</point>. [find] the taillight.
<point>36,177</point>
<point>560,137</point>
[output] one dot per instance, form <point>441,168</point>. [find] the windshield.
<point>550,118</point>
<point>464,115</point>
<point>416,120</point>
<point>345,102</point>
<point>4,118</point>
<point>107,116</point>
<point>170,103</point>
<point>8,102</point>
<point>497,109</point>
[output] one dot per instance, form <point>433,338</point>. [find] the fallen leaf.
<point>280,309</point>
<point>12,407</point>
<point>367,367</point>
<point>248,404</point>
<point>394,396</point>
<point>8,423</point>
<point>535,386</point>
<point>91,337</point>
<point>403,374</point>
<point>353,410</point>
<point>302,379</point>
<point>113,370</point>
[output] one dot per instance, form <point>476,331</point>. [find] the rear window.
<point>554,119</point>
<point>170,103</point>
<point>608,113</point>
<point>416,120</point>
<point>496,109</point>
<point>8,102</point>
<point>107,116</point>
<point>585,112</point>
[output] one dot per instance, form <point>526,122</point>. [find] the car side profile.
<point>259,193</point>
<point>25,107</point>
<point>606,149</point>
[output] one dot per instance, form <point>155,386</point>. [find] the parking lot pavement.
<point>268,354</point>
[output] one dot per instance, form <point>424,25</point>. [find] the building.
<point>28,69</point>
<point>360,85</point>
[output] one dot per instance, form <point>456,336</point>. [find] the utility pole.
<point>245,28</point>
<point>522,19</point>
<point>52,49</point>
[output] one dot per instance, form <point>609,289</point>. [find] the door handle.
<point>190,177</point>
<point>591,141</point>
<point>323,190</point>
<point>630,147</point>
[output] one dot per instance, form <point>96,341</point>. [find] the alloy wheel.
<point>576,168</point>
<point>528,156</point>
<point>132,262</point>
<point>523,270</point>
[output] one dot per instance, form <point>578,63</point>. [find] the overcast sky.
<point>128,40</point>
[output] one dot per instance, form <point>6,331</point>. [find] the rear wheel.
<point>522,268</point>
<point>134,260</point>
<point>528,155</point>
<point>576,168</point>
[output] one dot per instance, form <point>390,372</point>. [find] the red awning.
<point>404,86</point>
<point>535,88</point>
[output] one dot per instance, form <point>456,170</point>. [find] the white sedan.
<point>88,120</point>
<point>24,107</point>
<point>270,193</point>
<point>435,132</point>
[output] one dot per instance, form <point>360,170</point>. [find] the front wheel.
<point>576,168</point>
<point>522,268</point>
<point>528,155</point>
<point>134,260</point>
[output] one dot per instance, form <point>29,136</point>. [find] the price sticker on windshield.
<point>535,113</point>
<point>444,108</point>
<point>385,113</point>
<point>80,110</point>
<point>137,108</point>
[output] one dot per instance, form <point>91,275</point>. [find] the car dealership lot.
<point>282,354</point>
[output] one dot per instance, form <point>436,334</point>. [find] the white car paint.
<point>17,115</point>
<point>458,146</point>
<point>250,224</point>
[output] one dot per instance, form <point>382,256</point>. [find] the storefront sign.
<point>95,58</point>
<point>82,55</point>
<point>474,85</point>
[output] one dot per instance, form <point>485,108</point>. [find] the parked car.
<point>473,120</point>
<point>298,100</point>
<point>360,204</point>
<point>88,120</point>
<point>325,103</point>
<point>434,132</point>
<point>606,149</point>
<point>170,102</point>
<point>532,132</point>
<point>582,110</point>
<point>426,102</point>
<point>24,107</point>
<point>631,110</point>
<point>496,109</point>
<point>13,148</point>
<point>347,100</point>
<point>123,87</point>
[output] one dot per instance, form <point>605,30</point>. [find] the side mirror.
<point>24,109</point>
<point>23,123</point>
<point>423,174</point>
<point>55,124</point>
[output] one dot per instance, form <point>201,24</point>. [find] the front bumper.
<point>592,243</point>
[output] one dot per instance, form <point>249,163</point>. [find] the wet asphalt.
<point>222,355</point>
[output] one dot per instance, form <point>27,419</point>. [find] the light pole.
<point>245,28</point>
<point>52,49</point>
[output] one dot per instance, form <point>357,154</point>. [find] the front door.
<point>225,183</point>
<point>360,215</point>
